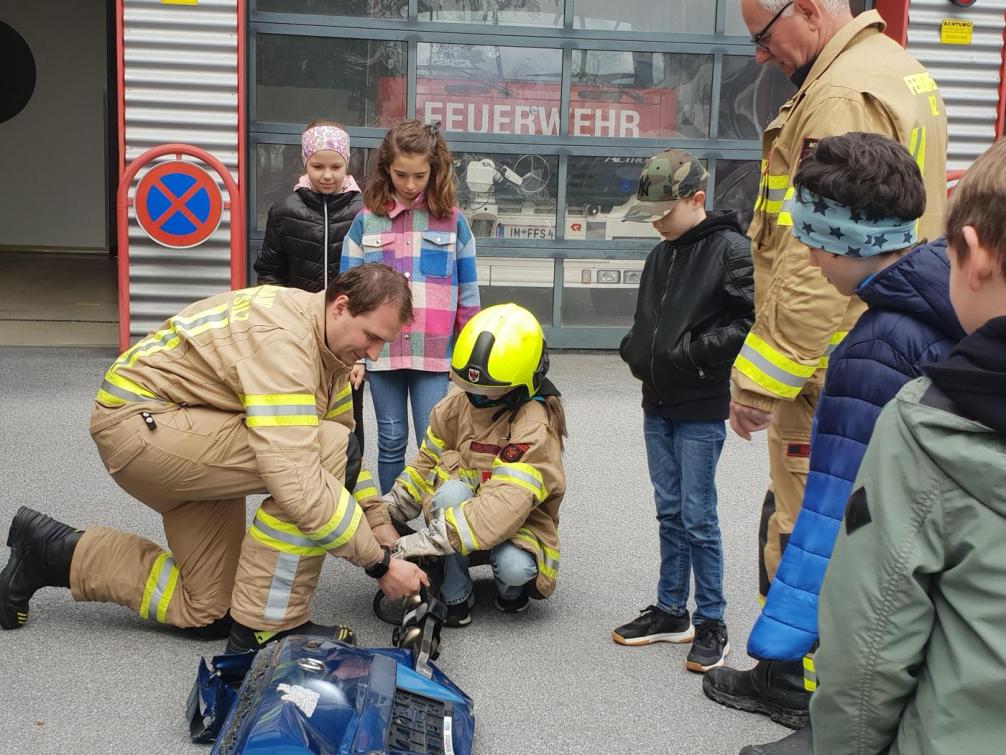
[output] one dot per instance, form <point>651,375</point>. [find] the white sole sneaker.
<point>698,668</point>
<point>677,638</point>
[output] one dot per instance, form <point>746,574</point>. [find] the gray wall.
<point>52,153</point>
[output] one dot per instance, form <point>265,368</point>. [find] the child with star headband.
<point>857,199</point>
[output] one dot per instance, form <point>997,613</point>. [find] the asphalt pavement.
<point>95,678</point>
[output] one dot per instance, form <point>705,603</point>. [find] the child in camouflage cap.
<point>695,306</point>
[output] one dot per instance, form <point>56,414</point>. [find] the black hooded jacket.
<point>695,307</point>
<point>974,375</point>
<point>293,251</point>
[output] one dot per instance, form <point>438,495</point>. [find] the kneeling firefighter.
<point>488,477</point>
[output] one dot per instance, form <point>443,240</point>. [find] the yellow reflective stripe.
<point>432,446</point>
<point>279,409</point>
<point>777,181</point>
<point>523,475</point>
<point>470,476</point>
<point>116,390</point>
<point>365,487</point>
<point>548,558</point>
<point>771,370</point>
<point>159,588</point>
<point>168,338</point>
<point>414,483</point>
<point>342,403</point>
<point>282,536</point>
<point>809,673</point>
<point>833,343</point>
<point>455,517</point>
<point>341,527</point>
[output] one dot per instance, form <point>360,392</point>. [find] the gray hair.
<point>830,7</point>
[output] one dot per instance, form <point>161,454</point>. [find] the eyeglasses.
<point>758,39</point>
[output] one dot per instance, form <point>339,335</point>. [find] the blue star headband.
<point>823,223</point>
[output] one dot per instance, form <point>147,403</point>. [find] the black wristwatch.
<point>378,570</point>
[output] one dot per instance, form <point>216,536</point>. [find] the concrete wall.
<point>52,153</point>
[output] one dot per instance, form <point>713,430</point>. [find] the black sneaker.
<point>247,640</point>
<point>460,614</point>
<point>710,647</point>
<point>517,605</point>
<point>654,625</point>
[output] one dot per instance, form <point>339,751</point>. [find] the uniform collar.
<point>329,361</point>
<point>842,40</point>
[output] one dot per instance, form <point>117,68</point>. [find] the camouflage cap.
<point>667,177</point>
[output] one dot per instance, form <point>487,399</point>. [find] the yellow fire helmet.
<point>499,349</point>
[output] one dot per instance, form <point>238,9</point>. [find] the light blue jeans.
<point>682,460</point>
<point>512,567</point>
<point>391,390</point>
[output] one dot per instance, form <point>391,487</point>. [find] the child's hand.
<point>356,376</point>
<point>745,420</point>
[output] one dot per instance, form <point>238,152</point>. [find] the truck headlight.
<point>609,276</point>
<point>632,276</point>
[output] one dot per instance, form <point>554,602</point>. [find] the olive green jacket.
<point>913,608</point>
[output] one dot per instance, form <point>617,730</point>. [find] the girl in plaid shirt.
<point>410,223</point>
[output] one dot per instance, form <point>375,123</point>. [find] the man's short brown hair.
<point>978,201</point>
<point>369,286</point>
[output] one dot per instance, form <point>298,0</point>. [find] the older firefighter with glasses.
<point>849,77</point>
<point>488,477</point>
<point>245,392</point>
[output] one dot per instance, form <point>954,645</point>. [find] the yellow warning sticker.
<point>956,31</point>
<point>179,2</point>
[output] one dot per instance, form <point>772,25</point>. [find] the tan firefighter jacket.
<point>259,352</point>
<point>514,468</point>
<point>861,81</point>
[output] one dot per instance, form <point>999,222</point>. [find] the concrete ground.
<point>94,678</point>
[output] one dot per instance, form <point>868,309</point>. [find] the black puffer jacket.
<point>695,307</point>
<point>293,251</point>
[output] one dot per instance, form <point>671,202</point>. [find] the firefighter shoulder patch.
<point>484,448</point>
<point>514,451</point>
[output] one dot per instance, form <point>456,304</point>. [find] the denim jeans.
<point>390,389</point>
<point>682,460</point>
<point>512,567</point>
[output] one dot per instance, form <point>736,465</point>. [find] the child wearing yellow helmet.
<point>488,476</point>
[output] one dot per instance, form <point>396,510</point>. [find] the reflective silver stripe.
<point>124,394</point>
<point>776,195</point>
<point>157,594</point>
<point>347,519</point>
<point>505,471</point>
<point>341,404</point>
<point>193,324</point>
<point>281,587</point>
<point>430,446</point>
<point>286,537</point>
<point>278,410</point>
<point>550,563</point>
<point>770,369</point>
<point>464,532</point>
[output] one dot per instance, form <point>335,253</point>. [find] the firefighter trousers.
<point>789,463</point>
<point>194,468</point>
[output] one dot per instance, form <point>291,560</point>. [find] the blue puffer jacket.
<point>909,322</point>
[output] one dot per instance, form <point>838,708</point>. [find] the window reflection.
<point>633,94</point>
<point>736,185</point>
<point>524,281</point>
<point>750,97</point>
<point>508,196</point>
<point>494,12</point>
<point>681,16</point>
<point>357,8</point>
<point>488,89</point>
<point>600,292</point>
<point>358,82</point>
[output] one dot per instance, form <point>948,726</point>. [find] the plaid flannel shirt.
<point>438,258</point>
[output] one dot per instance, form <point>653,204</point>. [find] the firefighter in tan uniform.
<point>850,77</point>
<point>244,392</point>
<point>488,476</point>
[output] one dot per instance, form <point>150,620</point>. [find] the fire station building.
<point>550,108</point>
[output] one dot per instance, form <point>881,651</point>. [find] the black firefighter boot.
<point>40,553</point>
<point>773,688</point>
<point>244,639</point>
<point>800,742</point>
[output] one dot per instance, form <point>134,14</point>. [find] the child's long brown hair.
<point>557,418</point>
<point>413,138</point>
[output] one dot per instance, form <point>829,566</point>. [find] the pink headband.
<point>324,137</point>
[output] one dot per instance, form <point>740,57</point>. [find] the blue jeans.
<point>682,460</point>
<point>512,567</point>
<point>390,389</point>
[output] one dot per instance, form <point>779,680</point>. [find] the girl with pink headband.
<point>303,235</point>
